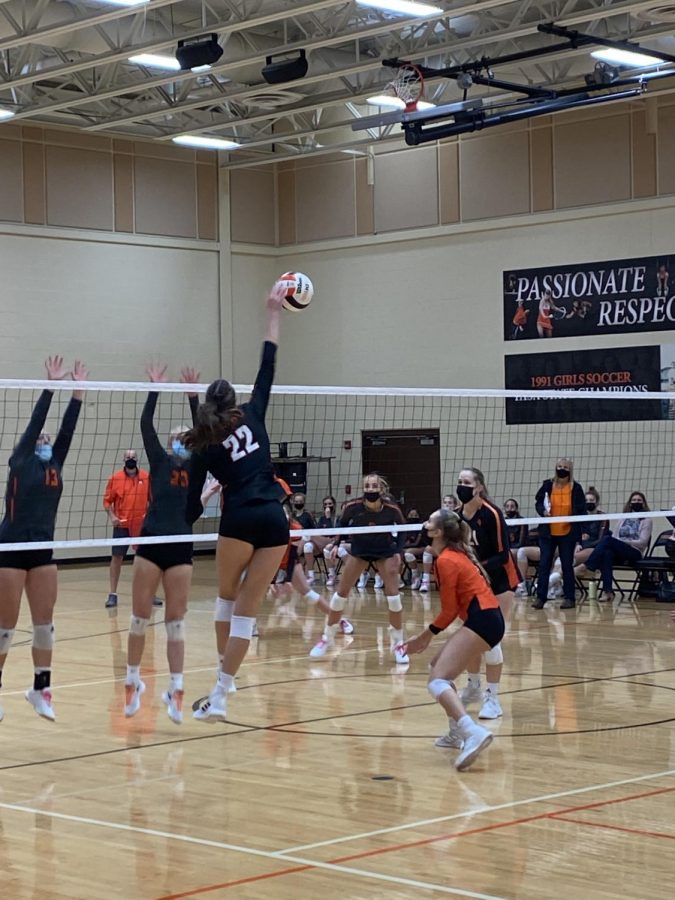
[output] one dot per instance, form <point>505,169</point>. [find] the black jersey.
<point>380,545</point>
<point>517,533</point>
<point>242,462</point>
<point>305,519</point>
<point>334,522</point>
<point>34,487</point>
<point>488,528</point>
<point>169,477</point>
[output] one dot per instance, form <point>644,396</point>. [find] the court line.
<point>228,884</point>
<point>640,831</point>
<point>512,804</point>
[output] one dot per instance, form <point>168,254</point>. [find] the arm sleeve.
<point>65,436</point>
<point>194,406</point>
<point>263,383</point>
<point>26,444</point>
<point>522,539</point>
<point>447,576</point>
<point>578,500</point>
<point>499,542</point>
<point>342,522</point>
<point>198,471</point>
<point>109,495</point>
<point>153,449</point>
<point>401,536</point>
<point>539,499</point>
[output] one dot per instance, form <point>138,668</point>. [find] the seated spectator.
<point>517,533</point>
<point>305,520</point>
<point>329,519</point>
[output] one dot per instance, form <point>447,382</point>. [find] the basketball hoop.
<point>409,86</point>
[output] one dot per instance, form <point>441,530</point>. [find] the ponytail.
<point>216,418</point>
<point>457,536</point>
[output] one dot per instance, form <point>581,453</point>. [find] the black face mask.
<point>510,513</point>
<point>413,519</point>
<point>637,507</point>
<point>591,507</point>
<point>130,465</point>
<point>464,493</point>
<point>299,505</point>
<point>562,473</point>
<point>371,496</point>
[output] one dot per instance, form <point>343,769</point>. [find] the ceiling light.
<point>388,101</point>
<point>619,57</point>
<point>6,114</point>
<point>124,2</point>
<point>402,7</point>
<point>205,143</point>
<point>199,69</point>
<point>152,61</point>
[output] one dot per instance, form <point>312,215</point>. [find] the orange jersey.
<point>460,581</point>
<point>284,485</point>
<point>127,496</point>
<point>561,505</point>
<point>520,317</point>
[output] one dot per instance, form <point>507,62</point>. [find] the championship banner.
<point>636,369</point>
<point>617,297</point>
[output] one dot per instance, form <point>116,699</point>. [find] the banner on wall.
<point>637,369</point>
<point>621,296</point>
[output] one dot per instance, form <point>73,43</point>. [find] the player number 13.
<point>241,443</point>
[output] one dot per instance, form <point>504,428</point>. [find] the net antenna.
<point>408,86</point>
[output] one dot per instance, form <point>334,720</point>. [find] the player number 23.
<point>241,443</point>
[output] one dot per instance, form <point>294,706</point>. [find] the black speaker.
<point>285,69</point>
<point>201,51</point>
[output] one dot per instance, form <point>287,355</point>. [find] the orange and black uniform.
<point>491,539</point>
<point>34,487</point>
<point>169,484</point>
<point>381,545</point>
<point>289,562</point>
<point>466,595</point>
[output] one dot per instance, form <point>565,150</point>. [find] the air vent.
<point>664,14</point>
<point>273,99</point>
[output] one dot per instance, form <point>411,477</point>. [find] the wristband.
<point>434,629</point>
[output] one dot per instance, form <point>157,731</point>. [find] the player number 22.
<point>241,443</point>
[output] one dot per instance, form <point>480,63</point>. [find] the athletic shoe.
<point>330,581</point>
<point>212,708</point>
<point>451,740</point>
<point>479,740</point>
<point>400,656</point>
<point>554,593</point>
<point>174,705</point>
<point>132,698</point>
<point>41,701</point>
<point>415,583</point>
<point>424,587</point>
<point>310,578</point>
<point>568,604</point>
<point>346,626</point>
<point>111,602</point>
<point>379,583</point>
<point>472,693</point>
<point>157,601</point>
<point>363,581</point>
<point>491,708</point>
<point>521,590</point>
<point>320,648</point>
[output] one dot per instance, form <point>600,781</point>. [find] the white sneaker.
<point>472,693</point>
<point>363,581</point>
<point>479,739</point>
<point>132,698</point>
<point>310,578</point>
<point>379,583</point>
<point>41,701</point>
<point>424,587</point>
<point>451,740</point>
<point>521,590</point>
<point>174,705</point>
<point>415,583</point>
<point>320,649</point>
<point>491,708</point>
<point>212,708</point>
<point>400,658</point>
<point>330,581</point>
<point>346,626</point>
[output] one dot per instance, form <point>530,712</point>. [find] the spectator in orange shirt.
<point>125,500</point>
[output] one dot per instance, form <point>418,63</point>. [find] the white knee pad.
<point>43,636</point>
<point>438,686</point>
<point>427,558</point>
<point>394,603</point>
<point>327,554</point>
<point>409,557</point>
<point>521,555</point>
<point>138,625</point>
<point>242,627</point>
<point>495,656</point>
<point>342,552</point>
<point>223,610</point>
<point>6,637</point>
<point>337,602</point>
<point>175,631</point>
<point>308,549</point>
<point>312,597</point>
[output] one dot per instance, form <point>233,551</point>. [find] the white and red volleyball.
<point>299,291</point>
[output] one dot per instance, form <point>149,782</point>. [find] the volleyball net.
<point>328,437</point>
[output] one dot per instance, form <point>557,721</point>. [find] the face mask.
<point>179,450</point>
<point>299,505</point>
<point>130,465</point>
<point>590,507</point>
<point>413,519</point>
<point>562,473</point>
<point>44,452</point>
<point>509,513</point>
<point>464,493</point>
<point>637,507</point>
<point>371,496</point>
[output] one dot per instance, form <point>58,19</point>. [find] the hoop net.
<point>409,86</point>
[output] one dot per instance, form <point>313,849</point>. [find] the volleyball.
<point>299,291</point>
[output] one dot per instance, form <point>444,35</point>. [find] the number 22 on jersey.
<point>241,443</point>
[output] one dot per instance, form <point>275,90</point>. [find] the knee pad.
<point>409,557</point>
<point>394,603</point>
<point>427,558</point>
<point>522,554</point>
<point>138,625</point>
<point>308,549</point>
<point>175,631</point>
<point>242,627</point>
<point>326,554</point>
<point>312,597</point>
<point>223,610</point>
<point>438,686</point>
<point>43,636</point>
<point>342,552</point>
<point>495,656</point>
<point>6,637</point>
<point>337,602</point>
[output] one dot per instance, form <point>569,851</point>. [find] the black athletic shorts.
<point>25,559</point>
<point>120,549</point>
<point>499,581</point>
<point>261,524</point>
<point>166,556</point>
<point>486,623</point>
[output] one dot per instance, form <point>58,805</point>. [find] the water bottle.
<point>593,590</point>
<point>547,503</point>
